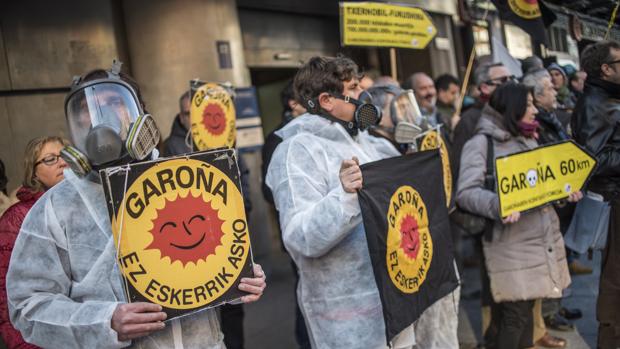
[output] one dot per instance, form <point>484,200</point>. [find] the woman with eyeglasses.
<point>43,169</point>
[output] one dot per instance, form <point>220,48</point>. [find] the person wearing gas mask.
<point>64,287</point>
<point>397,116</point>
<point>314,175</point>
<point>437,326</point>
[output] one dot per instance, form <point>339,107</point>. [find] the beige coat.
<point>525,260</point>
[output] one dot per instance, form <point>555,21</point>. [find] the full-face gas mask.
<point>407,121</point>
<point>107,124</point>
<point>366,114</point>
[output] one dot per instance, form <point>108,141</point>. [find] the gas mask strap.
<point>349,126</point>
<point>115,71</point>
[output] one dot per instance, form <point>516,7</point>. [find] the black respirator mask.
<point>365,116</point>
<point>107,124</point>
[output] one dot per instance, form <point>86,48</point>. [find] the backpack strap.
<point>489,179</point>
<point>489,184</point>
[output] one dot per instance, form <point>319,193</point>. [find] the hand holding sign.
<point>512,218</point>
<point>574,197</point>
<point>255,285</point>
<point>135,320</point>
<point>351,175</point>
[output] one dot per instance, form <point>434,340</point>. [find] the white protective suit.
<point>322,230</point>
<point>63,282</point>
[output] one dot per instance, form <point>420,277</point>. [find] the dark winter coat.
<point>176,144</point>
<point>525,260</point>
<point>596,126</point>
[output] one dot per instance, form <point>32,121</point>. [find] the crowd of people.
<point>60,278</point>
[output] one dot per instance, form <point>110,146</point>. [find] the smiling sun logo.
<point>186,230</point>
<point>212,117</point>
<point>185,240</point>
<point>409,247</point>
<point>410,237</point>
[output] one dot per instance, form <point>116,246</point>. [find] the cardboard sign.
<point>180,229</point>
<point>533,178</point>
<point>384,25</point>
<point>433,140</point>
<point>212,116</point>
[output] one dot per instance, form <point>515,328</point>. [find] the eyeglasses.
<point>613,62</point>
<point>500,81</point>
<point>49,160</point>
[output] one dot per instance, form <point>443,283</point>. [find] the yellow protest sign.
<point>434,140</point>
<point>180,229</point>
<point>533,178</point>
<point>385,25</point>
<point>212,116</point>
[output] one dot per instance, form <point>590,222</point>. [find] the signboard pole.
<point>393,63</point>
<point>470,64</point>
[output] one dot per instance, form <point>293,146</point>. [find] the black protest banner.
<point>530,15</point>
<point>180,229</point>
<point>408,232</point>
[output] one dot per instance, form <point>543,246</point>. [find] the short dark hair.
<point>286,95</point>
<point>595,55</point>
<point>444,81</point>
<point>322,74</point>
<point>185,95</point>
<point>510,100</point>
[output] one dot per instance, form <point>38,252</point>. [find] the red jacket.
<point>10,223</point>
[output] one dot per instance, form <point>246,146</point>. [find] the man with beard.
<point>595,126</point>
<point>425,93</point>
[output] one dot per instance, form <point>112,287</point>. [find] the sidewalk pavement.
<point>269,323</point>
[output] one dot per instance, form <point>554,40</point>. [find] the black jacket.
<point>175,144</point>
<point>463,131</point>
<point>269,147</point>
<point>596,126</point>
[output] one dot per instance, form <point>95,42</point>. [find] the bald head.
<point>424,90</point>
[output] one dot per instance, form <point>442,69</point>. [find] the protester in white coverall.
<point>63,283</point>
<point>314,176</point>
<point>437,326</point>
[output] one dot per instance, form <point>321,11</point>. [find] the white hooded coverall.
<point>63,282</point>
<point>322,230</point>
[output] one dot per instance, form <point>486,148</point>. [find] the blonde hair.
<point>31,154</point>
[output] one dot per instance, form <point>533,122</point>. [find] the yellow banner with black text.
<point>384,25</point>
